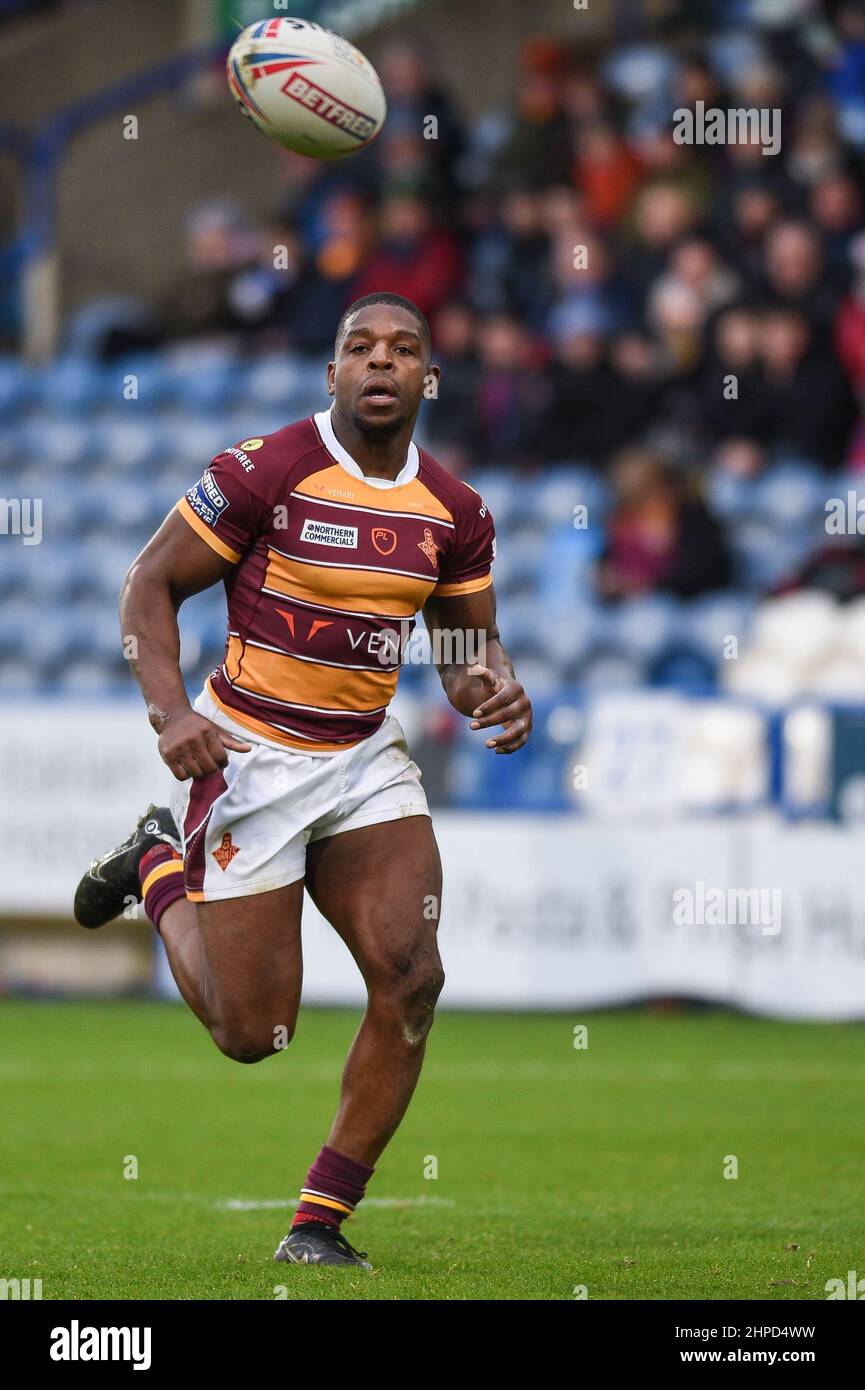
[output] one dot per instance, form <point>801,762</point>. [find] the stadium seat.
<point>206,386</point>
<point>71,386</point>
<point>792,493</point>
<point>522,556</point>
<point>731,498</point>
<point>645,626</point>
<point>711,620</point>
<point>553,497</point>
<point>765,555</point>
<point>18,385</point>
<point>682,667</point>
<point>59,444</point>
<point>123,443</point>
<point>139,381</point>
<point>86,678</point>
<point>569,560</point>
<point>500,492</point>
<point>18,677</point>
<point>606,669</point>
<point>568,636</point>
<point>277,381</point>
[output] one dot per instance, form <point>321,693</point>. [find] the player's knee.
<point>414,988</point>
<point>250,1044</point>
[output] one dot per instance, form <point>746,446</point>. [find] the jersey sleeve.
<point>468,565</point>
<point>222,510</point>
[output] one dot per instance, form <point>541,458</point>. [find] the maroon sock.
<point>160,875</point>
<point>334,1186</point>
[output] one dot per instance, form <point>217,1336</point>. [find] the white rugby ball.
<point>306,87</point>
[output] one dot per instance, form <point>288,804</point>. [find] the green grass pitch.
<point>557,1168</point>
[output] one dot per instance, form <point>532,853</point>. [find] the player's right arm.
<point>172,567</point>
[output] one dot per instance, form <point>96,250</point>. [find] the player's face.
<point>380,369</point>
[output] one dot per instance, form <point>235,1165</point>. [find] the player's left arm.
<point>490,693</point>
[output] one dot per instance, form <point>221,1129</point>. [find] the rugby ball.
<point>306,87</point>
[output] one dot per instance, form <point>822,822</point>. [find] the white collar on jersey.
<point>408,471</point>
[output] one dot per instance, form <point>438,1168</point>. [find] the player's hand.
<point>193,746</point>
<point>507,704</point>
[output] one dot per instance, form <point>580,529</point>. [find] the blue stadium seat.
<point>12,576</point>
<point>281,382</point>
<point>187,445</point>
<point>645,626</point>
<point>86,677</point>
<point>48,572</point>
<point>18,676</point>
<point>561,488</point>
<point>99,570</point>
<point>708,621</point>
<point>570,559</point>
<point>204,386</point>
<point>521,622</point>
<point>123,442</point>
<point>71,386</point>
<point>519,562</point>
<point>60,444</point>
<point>500,492</point>
<point>793,493</point>
<point>570,634</point>
<point>609,669</point>
<point>16,619</point>
<point>138,381</point>
<point>766,555</point>
<point>685,668</point>
<point>17,387</point>
<point>731,498</point>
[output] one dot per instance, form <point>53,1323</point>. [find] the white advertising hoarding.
<point>539,911</point>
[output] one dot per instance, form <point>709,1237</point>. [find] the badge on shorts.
<point>226,852</point>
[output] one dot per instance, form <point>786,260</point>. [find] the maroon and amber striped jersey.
<point>330,568</point>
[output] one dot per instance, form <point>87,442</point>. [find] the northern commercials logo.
<point>325,533</point>
<point>77,1343</point>
<point>206,499</point>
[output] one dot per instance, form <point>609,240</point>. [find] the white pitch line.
<point>289,1203</point>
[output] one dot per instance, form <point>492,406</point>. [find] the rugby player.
<point>329,535</point>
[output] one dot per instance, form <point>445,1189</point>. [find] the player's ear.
<point>331,370</point>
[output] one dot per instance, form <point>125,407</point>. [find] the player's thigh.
<point>253,963</point>
<point>379,886</point>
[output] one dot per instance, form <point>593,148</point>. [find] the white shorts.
<point>245,828</point>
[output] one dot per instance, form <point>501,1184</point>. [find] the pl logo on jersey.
<point>384,540</point>
<point>206,499</point>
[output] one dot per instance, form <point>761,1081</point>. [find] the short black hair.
<point>385,297</point>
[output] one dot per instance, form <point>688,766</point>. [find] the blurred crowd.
<point>663,312</point>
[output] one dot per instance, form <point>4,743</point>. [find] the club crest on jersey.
<point>428,545</point>
<point>326,533</point>
<point>206,499</point>
<point>226,852</point>
<point>384,540</point>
